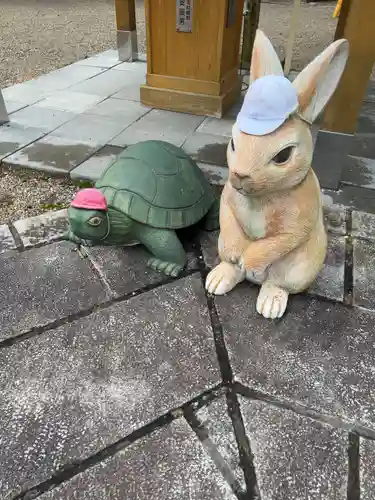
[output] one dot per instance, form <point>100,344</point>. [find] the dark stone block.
<point>330,153</point>
<point>70,392</point>
<point>170,464</point>
<point>367,476</point>
<point>354,197</point>
<point>364,274</point>
<point>43,285</point>
<point>366,119</point>
<point>363,146</point>
<point>320,354</point>
<point>359,172</point>
<point>125,270</point>
<point>295,457</point>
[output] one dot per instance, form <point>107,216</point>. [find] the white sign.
<point>184,15</point>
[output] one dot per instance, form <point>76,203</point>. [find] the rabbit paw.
<point>223,278</point>
<point>272,301</point>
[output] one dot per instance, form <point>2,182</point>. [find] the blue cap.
<point>269,101</point>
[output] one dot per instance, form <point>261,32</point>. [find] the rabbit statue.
<point>271,213</point>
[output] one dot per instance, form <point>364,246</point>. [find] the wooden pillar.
<point>126,30</point>
<point>193,55</point>
<point>356,24</point>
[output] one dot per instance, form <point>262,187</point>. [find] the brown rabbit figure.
<point>271,214</point>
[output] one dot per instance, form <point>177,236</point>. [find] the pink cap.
<point>90,198</point>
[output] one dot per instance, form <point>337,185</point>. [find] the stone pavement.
<point>117,383</point>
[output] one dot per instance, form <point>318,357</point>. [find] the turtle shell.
<point>158,184</point>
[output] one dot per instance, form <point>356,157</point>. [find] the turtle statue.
<point>148,192</point>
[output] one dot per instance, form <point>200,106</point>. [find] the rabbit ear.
<point>317,82</point>
<point>264,60</point>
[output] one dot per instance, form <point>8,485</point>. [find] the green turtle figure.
<point>151,189</point>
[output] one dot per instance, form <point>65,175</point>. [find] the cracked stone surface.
<point>69,392</point>
<point>367,477</point>
<point>6,239</point>
<point>170,464</point>
<point>43,285</point>
<point>295,457</point>
<point>43,228</point>
<point>319,355</point>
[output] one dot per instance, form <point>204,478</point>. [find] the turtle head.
<point>88,215</point>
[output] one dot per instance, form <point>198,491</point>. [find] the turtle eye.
<point>232,145</point>
<point>95,221</point>
<point>283,156</point>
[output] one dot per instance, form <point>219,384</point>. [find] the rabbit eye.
<point>232,145</point>
<point>283,156</point>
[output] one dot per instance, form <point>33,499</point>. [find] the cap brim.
<point>258,127</point>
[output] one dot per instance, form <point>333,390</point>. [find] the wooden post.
<point>193,55</point>
<point>251,22</point>
<point>356,24</point>
<point>126,30</point>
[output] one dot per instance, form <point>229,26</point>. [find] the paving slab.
<point>207,148</point>
<point>91,128</point>
<point>367,467</point>
<point>124,269</point>
<point>128,111</point>
<point>25,94</point>
<point>54,155</point>
<point>42,118</point>
<point>214,420</point>
<point>13,106</point>
<point>6,239</point>
<point>14,137</point>
<point>159,125</point>
<point>318,355</point>
<point>169,464</point>
<point>217,126</point>
<point>108,83</point>
<point>363,225</point>
<point>107,59</point>
<point>41,229</point>
<point>72,391</point>
<point>364,273</point>
<point>295,457</point>
<point>330,281</point>
<point>63,78</point>
<point>68,100</point>
<point>130,86</point>
<point>139,66</point>
<point>93,167</point>
<point>359,172</point>
<point>43,285</point>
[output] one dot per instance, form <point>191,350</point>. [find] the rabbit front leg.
<point>273,298</point>
<point>232,244</point>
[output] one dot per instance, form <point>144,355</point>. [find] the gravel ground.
<point>24,194</point>
<point>37,36</point>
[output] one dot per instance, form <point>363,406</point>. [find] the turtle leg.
<point>168,254</point>
<point>211,220</point>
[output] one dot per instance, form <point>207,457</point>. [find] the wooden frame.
<point>195,71</point>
